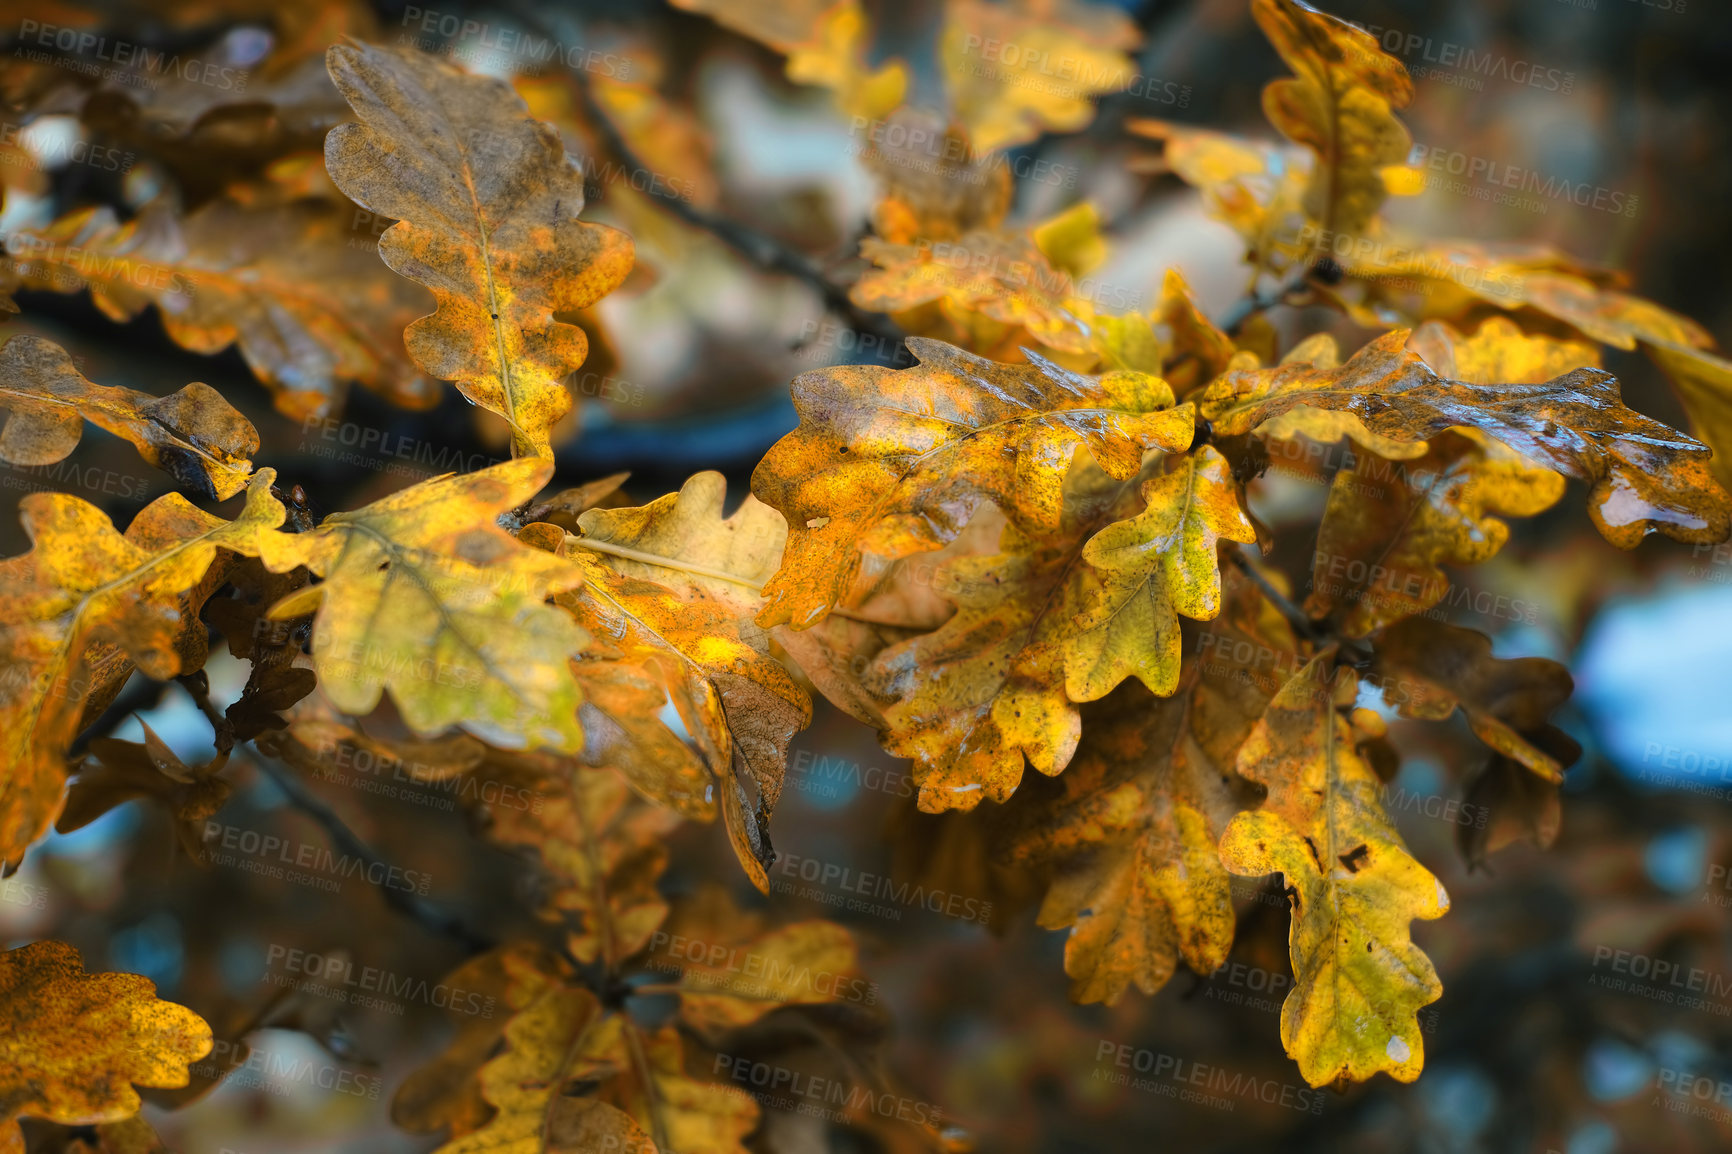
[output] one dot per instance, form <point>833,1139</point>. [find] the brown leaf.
<point>127,771</point>
<point>193,435</point>
<point>1430,669</point>
<point>280,280</point>
<point>486,203</point>
<point>1644,476</point>
<point>81,584</point>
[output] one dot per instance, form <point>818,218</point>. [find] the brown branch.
<point>766,252</point>
<point>1316,632</point>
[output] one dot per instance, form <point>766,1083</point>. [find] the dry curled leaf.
<point>125,771</point>
<point>671,590</point>
<point>1645,477</point>
<point>1432,668</point>
<point>193,435</point>
<point>486,203</point>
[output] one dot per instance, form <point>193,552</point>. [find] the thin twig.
<point>1313,631</point>
<point>768,253</point>
<point>430,916</point>
<point>1258,301</point>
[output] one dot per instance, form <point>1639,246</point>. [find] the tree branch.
<point>431,917</point>
<point>1313,631</point>
<point>766,252</point>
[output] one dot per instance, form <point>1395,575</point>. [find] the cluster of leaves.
<point>1073,475</point>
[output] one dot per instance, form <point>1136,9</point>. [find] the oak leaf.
<point>82,585</point>
<point>1359,981</point>
<point>1338,105</point>
<point>525,1086</point>
<point>1434,668</point>
<point>671,591</point>
<point>1644,476</point>
<point>1138,880</point>
<point>1389,526</point>
<point>1153,567</point>
<point>826,44</point>
<point>194,435</point>
<point>278,279</point>
<point>73,1045</point>
<point>990,292</point>
<point>1009,98</point>
<point>1254,187</point>
<point>446,1091</point>
<point>486,203</point>
<point>601,848</point>
<point>971,700</point>
<point>425,595</point>
<point>896,462</point>
<point>730,970</point>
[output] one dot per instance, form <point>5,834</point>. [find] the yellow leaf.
<point>672,588</point>
<point>1154,566</point>
<point>897,462</point>
<point>447,1091</point>
<point>72,1044</point>
<point>81,585</point>
<point>730,975</point>
<point>1645,477</point>
<point>1338,105</point>
<point>1704,383</point>
<point>646,1077</point>
<point>1138,880</point>
<point>194,435</point>
<point>1018,69</point>
<point>602,850</point>
<point>1498,352</point>
<point>1253,187</point>
<point>486,203</point>
<point>837,59</point>
<point>971,700</point>
<point>1072,241</point>
<point>1359,981</point>
<point>278,279</point>
<point>525,1084</point>
<point>1388,527</point>
<point>991,292</point>
<point>825,42</point>
<point>425,595</point>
